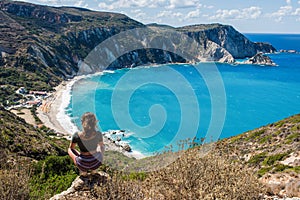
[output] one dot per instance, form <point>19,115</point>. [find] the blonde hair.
<point>89,124</point>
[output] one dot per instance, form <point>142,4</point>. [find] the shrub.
<point>273,158</point>
<point>51,176</point>
<point>262,171</point>
<point>258,158</point>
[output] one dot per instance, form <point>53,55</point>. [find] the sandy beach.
<point>47,112</point>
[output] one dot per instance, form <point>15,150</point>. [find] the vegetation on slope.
<point>41,45</point>
<point>18,137</point>
<point>263,148</point>
<point>230,171</point>
<point>29,153</point>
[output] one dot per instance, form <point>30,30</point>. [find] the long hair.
<point>89,124</point>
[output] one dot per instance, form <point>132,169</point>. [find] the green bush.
<point>51,176</point>
<point>273,158</point>
<point>263,170</point>
<point>281,167</point>
<point>258,158</point>
<point>255,134</point>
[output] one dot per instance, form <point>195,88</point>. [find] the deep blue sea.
<point>162,105</point>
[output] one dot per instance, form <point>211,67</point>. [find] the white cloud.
<point>173,4</point>
<point>136,11</point>
<point>105,6</point>
<point>54,2</point>
<point>81,4</point>
<point>297,12</point>
<point>131,4</point>
<point>209,7</point>
<point>288,2</point>
<point>235,14</point>
<point>141,15</point>
<point>169,14</point>
<point>282,12</point>
<point>193,14</point>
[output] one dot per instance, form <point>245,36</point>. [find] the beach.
<point>52,114</point>
<point>50,108</point>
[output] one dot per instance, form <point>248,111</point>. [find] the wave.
<point>62,117</point>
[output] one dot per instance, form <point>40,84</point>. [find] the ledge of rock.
<point>260,59</point>
<point>82,186</point>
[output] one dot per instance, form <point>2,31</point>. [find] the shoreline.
<point>52,114</point>
<point>50,108</point>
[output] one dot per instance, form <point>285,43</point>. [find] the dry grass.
<point>14,181</point>
<point>190,177</point>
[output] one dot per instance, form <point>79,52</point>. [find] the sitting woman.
<point>89,140</point>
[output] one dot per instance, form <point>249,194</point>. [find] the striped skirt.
<point>89,162</point>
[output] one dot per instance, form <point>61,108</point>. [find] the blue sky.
<point>247,16</point>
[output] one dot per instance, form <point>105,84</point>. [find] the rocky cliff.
<point>228,38</point>
<point>260,59</point>
<point>42,45</point>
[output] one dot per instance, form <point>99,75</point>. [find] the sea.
<point>165,106</point>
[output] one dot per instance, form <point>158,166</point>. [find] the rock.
<point>127,148</point>
<point>260,59</point>
<point>282,185</point>
<point>226,37</point>
<point>265,47</point>
<point>82,183</point>
<point>288,51</point>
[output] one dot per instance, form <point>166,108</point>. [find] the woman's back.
<point>87,144</point>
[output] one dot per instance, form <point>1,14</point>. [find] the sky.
<point>247,16</point>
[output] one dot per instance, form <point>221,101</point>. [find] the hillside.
<point>41,45</point>
<point>259,164</point>
<point>17,138</point>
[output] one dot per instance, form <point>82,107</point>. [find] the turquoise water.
<point>158,106</point>
<point>279,41</point>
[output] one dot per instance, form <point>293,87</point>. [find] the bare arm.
<point>72,145</point>
<point>101,143</point>
<point>72,152</point>
<point>102,147</point>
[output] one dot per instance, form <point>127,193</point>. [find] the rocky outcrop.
<point>82,186</point>
<point>288,51</point>
<point>228,38</point>
<point>260,59</point>
<point>127,148</point>
<point>264,47</point>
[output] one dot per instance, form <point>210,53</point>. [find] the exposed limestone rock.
<point>265,47</point>
<point>260,59</point>
<point>82,185</point>
<point>127,148</point>
<point>282,185</point>
<point>228,38</point>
